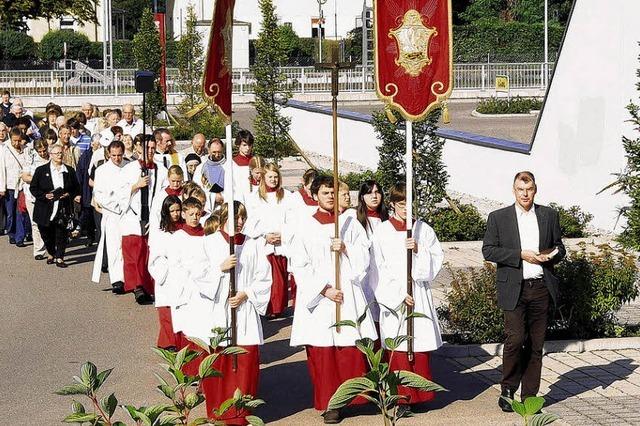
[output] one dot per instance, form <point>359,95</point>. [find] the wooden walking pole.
<point>409,225</point>
<point>335,66</point>
<point>231,231</point>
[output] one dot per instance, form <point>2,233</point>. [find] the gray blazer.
<point>501,245</point>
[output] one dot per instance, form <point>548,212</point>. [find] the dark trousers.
<point>97,220</point>
<point>87,222</point>
<point>16,223</point>
<point>55,238</point>
<point>525,329</point>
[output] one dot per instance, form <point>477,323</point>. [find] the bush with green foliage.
<point>16,45</point>
<point>573,221</point>
<point>354,179</point>
<point>513,105</point>
<point>530,411</point>
<point>449,225</point>
<point>177,389</point>
<point>206,122</point>
<point>148,53</point>
<point>472,313</point>
<point>190,58</point>
<point>52,45</point>
<point>593,287</point>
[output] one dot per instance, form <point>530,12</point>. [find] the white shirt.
<point>529,240</point>
<point>57,178</point>
<point>133,129</point>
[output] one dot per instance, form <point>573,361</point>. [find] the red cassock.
<point>329,367</point>
<point>218,389</point>
<point>166,337</point>
<point>279,297</point>
<point>135,253</point>
<point>421,365</point>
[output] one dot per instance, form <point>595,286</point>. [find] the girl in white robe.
<point>269,212</point>
<point>162,271</point>
<point>212,309</point>
<point>390,245</point>
<point>175,178</point>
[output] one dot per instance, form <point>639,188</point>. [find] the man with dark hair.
<point>5,106</point>
<point>332,356</point>
<point>78,138</point>
<point>524,240</point>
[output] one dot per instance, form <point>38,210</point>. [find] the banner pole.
<point>231,231</point>
<point>409,226</point>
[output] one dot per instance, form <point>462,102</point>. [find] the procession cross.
<point>335,66</point>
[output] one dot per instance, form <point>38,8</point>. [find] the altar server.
<point>390,245</point>
<point>332,356</point>
<point>175,179</point>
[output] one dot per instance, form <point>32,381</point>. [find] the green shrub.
<point>16,45</point>
<point>514,105</point>
<point>51,45</point>
<point>206,122</point>
<point>472,311</point>
<point>573,221</point>
<point>355,179</point>
<point>593,287</point>
<point>449,225</point>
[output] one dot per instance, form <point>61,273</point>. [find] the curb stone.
<point>551,346</point>
<point>477,114</point>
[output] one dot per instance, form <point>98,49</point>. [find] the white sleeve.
<point>428,261</point>
<point>3,171</point>
<point>357,245</point>
<point>208,278</point>
<point>158,257</point>
<point>391,289</point>
<point>259,291</point>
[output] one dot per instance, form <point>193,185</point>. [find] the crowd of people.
<point>160,218</point>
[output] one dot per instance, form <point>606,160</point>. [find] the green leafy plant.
<point>573,221</point>
<point>16,45</point>
<point>148,56</point>
<point>177,389</point>
<point>52,45</point>
<point>472,311</point>
<point>380,384</point>
<point>529,410</point>
<point>513,105</point>
<point>593,287</point>
<point>190,63</point>
<point>466,224</point>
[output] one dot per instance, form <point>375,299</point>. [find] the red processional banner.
<point>217,82</point>
<point>413,54</point>
<point>160,25</point>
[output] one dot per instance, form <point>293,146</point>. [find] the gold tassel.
<point>390,115</point>
<point>446,119</point>
<point>196,110</point>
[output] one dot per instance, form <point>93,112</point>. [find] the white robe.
<point>208,308</point>
<point>268,216</point>
<point>107,192</point>
<point>312,262</point>
<point>159,159</point>
<point>390,257</point>
<point>132,203</point>
<point>164,265</point>
<point>300,206</point>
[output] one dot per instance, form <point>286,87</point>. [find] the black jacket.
<point>42,184</point>
<point>502,245</point>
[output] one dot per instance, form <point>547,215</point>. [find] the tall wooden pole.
<point>409,225</point>
<point>231,231</point>
<point>335,66</point>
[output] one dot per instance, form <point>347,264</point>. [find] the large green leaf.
<point>102,377</point>
<point>518,407</point>
<point>154,411</point>
<point>88,374</point>
<point>199,421</point>
<point>365,346</point>
<point>200,343</point>
<point>345,323</point>
<point>348,390</point>
<point>80,418</point>
<point>169,420</point>
<point>75,389</point>
<point>192,400</point>
<point>168,356</point>
<point>393,344</point>
<point>254,421</point>
<point>533,404</point>
<point>167,391</point>
<point>109,404</point>
<point>542,419</point>
<point>77,407</point>
<point>233,350</point>
<point>205,366</point>
<point>413,380</point>
<point>254,403</point>
<point>224,407</point>
<point>361,318</point>
<point>391,311</point>
<point>416,315</point>
<point>180,356</point>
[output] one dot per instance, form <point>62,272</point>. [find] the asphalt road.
<point>54,320</point>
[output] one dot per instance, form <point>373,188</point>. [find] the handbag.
<point>22,203</point>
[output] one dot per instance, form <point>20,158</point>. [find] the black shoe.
<point>40,257</point>
<point>50,260</point>
<point>117,287</point>
<point>12,240</point>
<point>105,269</point>
<point>60,263</point>
<point>28,238</point>
<point>90,242</point>
<point>142,298</point>
<point>503,403</point>
<point>332,417</point>
<point>20,244</point>
<point>404,411</point>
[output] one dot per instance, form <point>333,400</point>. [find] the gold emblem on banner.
<point>227,34</point>
<point>413,39</point>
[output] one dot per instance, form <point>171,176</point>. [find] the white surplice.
<point>132,203</point>
<point>312,263</point>
<point>270,216</point>
<point>390,257</point>
<point>206,301</point>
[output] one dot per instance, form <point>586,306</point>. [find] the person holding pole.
<point>389,243</point>
<point>332,356</point>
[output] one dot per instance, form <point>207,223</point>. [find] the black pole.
<point>144,192</point>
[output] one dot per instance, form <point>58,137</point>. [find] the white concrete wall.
<point>578,145</point>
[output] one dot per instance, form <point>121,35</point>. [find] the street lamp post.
<point>546,43</point>
<point>320,3</point>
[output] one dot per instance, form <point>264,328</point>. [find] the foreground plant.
<point>380,384</point>
<point>183,396</point>
<point>529,410</point>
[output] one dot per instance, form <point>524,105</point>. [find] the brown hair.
<point>176,170</point>
<point>239,210</point>
<point>526,177</point>
<point>271,167</point>
<point>397,193</point>
<point>309,176</point>
<point>191,203</point>
<point>257,162</point>
<point>212,224</point>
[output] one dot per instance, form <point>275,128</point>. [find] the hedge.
<point>16,45</point>
<point>78,45</point>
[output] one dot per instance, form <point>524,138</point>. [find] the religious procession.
<point>203,231</point>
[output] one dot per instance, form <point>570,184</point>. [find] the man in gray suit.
<point>524,241</point>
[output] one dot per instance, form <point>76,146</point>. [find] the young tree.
<point>148,55</point>
<point>430,176</point>
<point>190,62</point>
<point>13,12</point>
<point>271,128</point>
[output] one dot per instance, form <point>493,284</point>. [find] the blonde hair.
<point>257,162</point>
<point>343,186</point>
<point>271,167</point>
<point>212,224</point>
<point>239,209</point>
<point>192,189</point>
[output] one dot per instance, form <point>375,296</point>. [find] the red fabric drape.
<point>421,365</point>
<point>135,254</point>
<point>279,275</point>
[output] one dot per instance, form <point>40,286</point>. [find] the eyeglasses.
<point>56,153</point>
